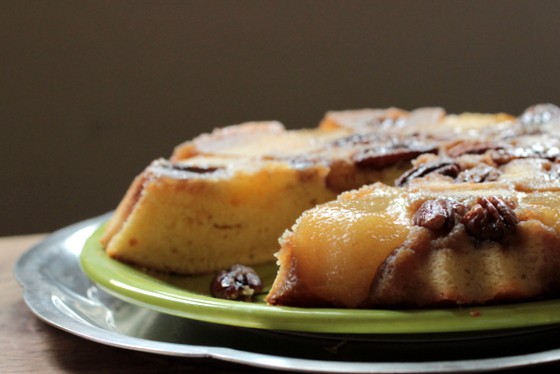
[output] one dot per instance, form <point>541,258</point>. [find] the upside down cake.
<point>373,207</point>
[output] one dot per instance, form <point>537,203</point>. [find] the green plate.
<point>188,296</point>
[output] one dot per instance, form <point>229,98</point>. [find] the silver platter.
<point>57,291</point>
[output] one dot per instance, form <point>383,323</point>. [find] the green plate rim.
<point>140,288</point>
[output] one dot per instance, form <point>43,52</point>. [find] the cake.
<point>352,201</point>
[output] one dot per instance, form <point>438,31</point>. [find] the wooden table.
<point>29,345</point>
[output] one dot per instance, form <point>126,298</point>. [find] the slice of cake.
<point>204,214</point>
<point>455,244</point>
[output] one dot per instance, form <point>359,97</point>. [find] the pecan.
<point>475,147</point>
<point>372,150</point>
<point>539,114</point>
<point>436,215</point>
<point>195,169</point>
<point>478,174</point>
<point>237,283</point>
<point>375,151</point>
<point>443,167</point>
<point>538,150</point>
<point>387,156</point>
<point>491,218</point>
<point>167,167</point>
<point>503,156</point>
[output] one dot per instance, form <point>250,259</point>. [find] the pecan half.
<point>443,167</point>
<point>374,151</point>
<point>435,215</point>
<point>475,147</point>
<point>491,218</point>
<point>478,174</point>
<point>236,283</point>
<point>503,156</point>
<point>387,156</point>
<point>195,169</point>
<point>537,150</point>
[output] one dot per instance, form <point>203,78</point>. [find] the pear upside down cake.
<point>371,208</point>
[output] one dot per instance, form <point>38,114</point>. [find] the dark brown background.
<point>91,91</point>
